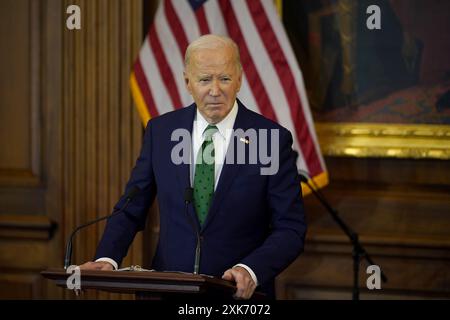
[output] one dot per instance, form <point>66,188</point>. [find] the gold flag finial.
<point>279,6</point>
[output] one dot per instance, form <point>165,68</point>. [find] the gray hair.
<point>212,41</point>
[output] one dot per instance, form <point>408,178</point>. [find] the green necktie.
<point>204,175</point>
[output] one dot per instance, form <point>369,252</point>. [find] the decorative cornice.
<point>26,227</point>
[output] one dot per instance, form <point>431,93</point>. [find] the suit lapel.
<point>229,171</point>
<point>186,121</point>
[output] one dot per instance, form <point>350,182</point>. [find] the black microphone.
<point>358,249</point>
<point>188,196</point>
<point>304,178</point>
<point>68,257</point>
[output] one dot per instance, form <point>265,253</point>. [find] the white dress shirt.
<point>221,140</point>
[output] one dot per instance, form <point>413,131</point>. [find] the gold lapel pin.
<point>245,140</point>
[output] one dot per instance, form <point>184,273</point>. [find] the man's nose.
<point>215,89</point>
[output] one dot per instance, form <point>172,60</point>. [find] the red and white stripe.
<point>272,82</point>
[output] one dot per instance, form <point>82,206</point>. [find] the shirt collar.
<point>227,123</point>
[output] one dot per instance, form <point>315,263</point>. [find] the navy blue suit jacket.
<point>254,219</point>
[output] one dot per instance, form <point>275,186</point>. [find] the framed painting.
<point>375,89</point>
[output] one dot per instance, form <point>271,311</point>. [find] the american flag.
<point>272,82</point>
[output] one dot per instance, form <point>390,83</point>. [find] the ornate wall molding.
<point>384,140</point>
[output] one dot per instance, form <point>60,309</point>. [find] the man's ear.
<point>186,81</point>
<point>240,81</point>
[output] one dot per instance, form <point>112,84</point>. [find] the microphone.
<point>188,196</point>
<point>68,256</point>
<point>358,249</point>
<point>304,178</point>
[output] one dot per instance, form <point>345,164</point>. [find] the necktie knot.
<point>209,132</point>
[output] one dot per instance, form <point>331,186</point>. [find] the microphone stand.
<point>188,195</point>
<point>68,254</point>
<point>358,250</point>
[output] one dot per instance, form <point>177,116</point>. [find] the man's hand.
<point>244,282</point>
<point>100,265</point>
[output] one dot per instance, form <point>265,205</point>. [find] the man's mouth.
<point>215,104</point>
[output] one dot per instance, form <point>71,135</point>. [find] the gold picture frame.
<point>385,140</point>
<point>418,141</point>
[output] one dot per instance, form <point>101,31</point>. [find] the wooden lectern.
<point>152,284</point>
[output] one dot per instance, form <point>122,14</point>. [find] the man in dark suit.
<point>246,204</point>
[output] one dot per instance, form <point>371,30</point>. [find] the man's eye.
<point>225,79</point>
<point>204,80</point>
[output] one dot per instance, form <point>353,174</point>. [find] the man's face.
<point>213,79</point>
